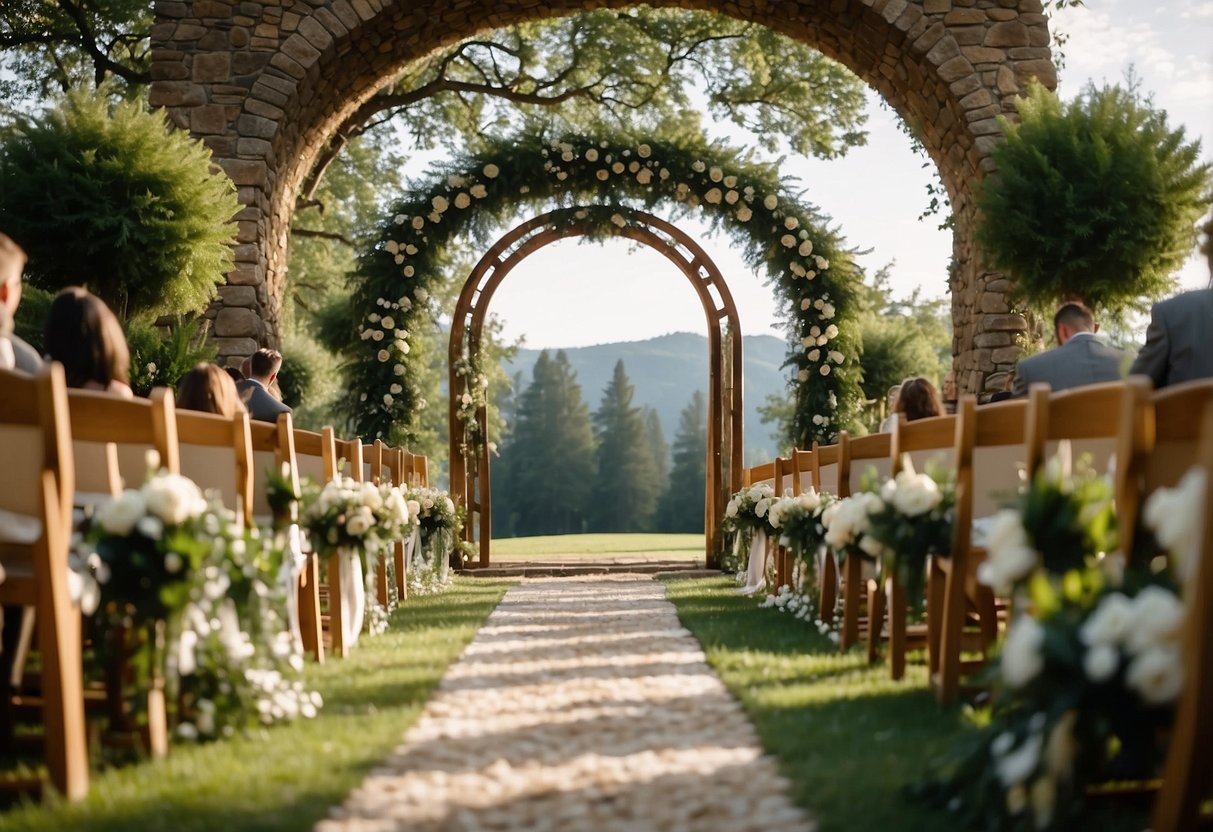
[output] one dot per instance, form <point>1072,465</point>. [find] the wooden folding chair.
<point>111,437</point>
<point>1113,421</point>
<point>1176,433</point>
<point>374,469</point>
<point>1187,779</point>
<point>764,473</point>
<point>922,441</point>
<point>397,470</point>
<point>346,452</point>
<point>785,482</point>
<point>826,478</point>
<point>857,457</point>
<point>35,534</point>
<point>990,456</point>
<point>316,458</point>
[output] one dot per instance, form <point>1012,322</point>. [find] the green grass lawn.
<point>588,546</point>
<point>285,778</point>
<point>847,737</point>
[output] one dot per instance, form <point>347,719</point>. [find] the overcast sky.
<point>570,294</point>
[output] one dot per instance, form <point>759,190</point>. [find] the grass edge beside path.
<point>287,777</point>
<point>846,737</point>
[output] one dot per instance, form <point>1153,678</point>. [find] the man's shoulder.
<point>247,384</point>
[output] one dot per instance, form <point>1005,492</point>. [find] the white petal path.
<point>582,704</point>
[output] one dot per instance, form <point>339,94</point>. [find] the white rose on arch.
<point>787,240</point>
<point>440,203</point>
<point>744,213</point>
<point>713,196</point>
<point>491,170</point>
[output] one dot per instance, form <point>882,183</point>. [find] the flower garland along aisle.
<point>358,522</point>
<point>799,522</point>
<point>788,239</point>
<point>439,525</point>
<point>747,519</point>
<point>1090,667</point>
<point>182,595</point>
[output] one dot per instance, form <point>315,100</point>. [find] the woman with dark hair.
<point>209,389</point>
<point>917,399</point>
<point>83,335</point>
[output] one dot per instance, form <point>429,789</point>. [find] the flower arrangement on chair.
<point>1090,667</point>
<point>187,603</point>
<point>798,520</point>
<point>439,523</point>
<point>747,519</point>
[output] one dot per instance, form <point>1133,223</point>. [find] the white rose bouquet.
<point>345,515</point>
<point>441,524</point>
<point>749,510</point>
<point>913,522</point>
<point>1091,667</point>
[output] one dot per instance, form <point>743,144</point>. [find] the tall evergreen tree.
<point>550,458</point>
<point>658,446</point>
<point>682,504</point>
<point>624,497</point>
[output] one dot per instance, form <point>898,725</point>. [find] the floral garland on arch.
<point>805,260</point>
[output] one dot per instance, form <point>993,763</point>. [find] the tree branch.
<point>102,62</point>
<point>323,235</point>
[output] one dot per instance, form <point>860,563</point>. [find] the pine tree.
<point>682,504</point>
<point>624,497</point>
<point>659,448</point>
<point>549,461</point>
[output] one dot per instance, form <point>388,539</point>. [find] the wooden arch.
<point>470,478</point>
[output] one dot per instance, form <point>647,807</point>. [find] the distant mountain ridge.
<point>667,370</point>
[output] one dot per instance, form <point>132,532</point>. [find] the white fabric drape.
<point>756,577</point>
<point>288,578</point>
<point>353,596</point>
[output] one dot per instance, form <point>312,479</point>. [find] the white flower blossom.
<point>491,171</point>
<point>440,204</point>
<point>770,202</point>
<point>716,174</point>
<point>462,200</point>
<point>1021,652</point>
<point>1157,675</point>
<point>118,517</point>
<point>713,196</point>
<point>744,213</point>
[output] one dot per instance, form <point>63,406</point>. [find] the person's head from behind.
<point>210,389</point>
<point>264,365</point>
<point>12,263</point>
<point>891,397</point>
<point>83,335</point>
<point>234,373</point>
<point>917,399</point>
<point>1071,319</point>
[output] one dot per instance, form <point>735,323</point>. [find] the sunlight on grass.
<point>286,778</point>
<point>586,546</point>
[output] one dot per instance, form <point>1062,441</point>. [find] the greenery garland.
<point>473,194</point>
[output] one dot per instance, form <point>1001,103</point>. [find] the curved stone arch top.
<point>266,84</point>
<point>470,481</point>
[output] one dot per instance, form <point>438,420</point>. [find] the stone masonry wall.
<point>266,83</point>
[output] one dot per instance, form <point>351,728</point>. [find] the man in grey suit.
<point>1179,340</point>
<point>255,390</point>
<point>1080,357</point>
<point>12,263</point>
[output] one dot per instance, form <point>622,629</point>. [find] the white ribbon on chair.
<point>756,572</point>
<point>288,579</point>
<point>353,596</point>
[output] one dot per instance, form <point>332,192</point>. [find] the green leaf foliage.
<point>158,361</point>
<point>107,197</point>
<point>1095,198</point>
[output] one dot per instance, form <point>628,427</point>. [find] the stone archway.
<point>470,480</point>
<point>266,84</point>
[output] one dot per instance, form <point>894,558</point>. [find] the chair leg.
<point>947,687</point>
<point>897,628</point>
<point>936,583</point>
<point>336,609</point>
<point>401,574</point>
<point>381,577</point>
<point>875,620</point>
<point>827,576</point>
<point>309,608</point>
<point>853,570</point>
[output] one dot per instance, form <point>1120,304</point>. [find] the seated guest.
<point>209,389</point>
<point>83,335</point>
<point>917,399</point>
<point>12,263</point>
<point>1079,357</point>
<point>948,389</point>
<point>1179,340</point>
<point>255,390</point>
<point>886,424</point>
<point>8,360</point>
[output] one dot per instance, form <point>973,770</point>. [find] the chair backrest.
<point>273,447</point>
<point>35,432</point>
<point>760,473</point>
<point>316,454</point>
<point>418,469</point>
<point>1187,780</point>
<point>990,458</point>
<point>863,453</point>
<point>1108,421</point>
<point>373,466</point>
<point>784,478</point>
<point>1176,432</point>
<point>132,426</point>
<point>350,451</point>
<point>923,441</point>
<point>827,467</point>
<point>217,454</point>
<point>802,470</point>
